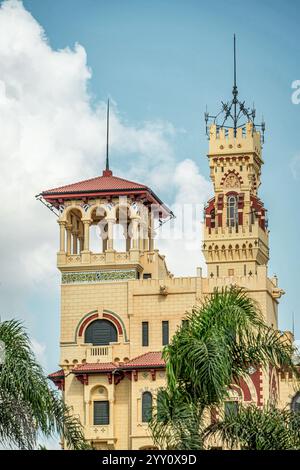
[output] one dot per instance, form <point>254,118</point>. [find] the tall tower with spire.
<point>236,227</point>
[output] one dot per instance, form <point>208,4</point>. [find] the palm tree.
<point>254,428</point>
<point>28,406</point>
<point>216,345</point>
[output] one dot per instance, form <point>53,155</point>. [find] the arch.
<point>100,332</point>
<point>232,178</point>
<point>65,214</point>
<point>93,315</point>
<point>295,403</point>
<point>146,406</point>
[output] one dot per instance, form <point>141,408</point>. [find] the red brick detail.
<point>86,321</point>
<point>115,321</point>
<point>257,382</point>
<point>109,376</point>
<point>83,378</point>
<point>245,389</point>
<point>233,172</point>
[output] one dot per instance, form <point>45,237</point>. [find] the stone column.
<point>62,234</point>
<point>75,242</point>
<point>110,234</point>
<point>135,239</point>
<point>86,240</point>
<point>69,233</point>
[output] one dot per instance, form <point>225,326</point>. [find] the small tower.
<point>236,229</point>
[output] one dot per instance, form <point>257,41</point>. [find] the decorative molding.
<point>98,276</point>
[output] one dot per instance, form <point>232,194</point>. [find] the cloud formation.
<point>53,134</point>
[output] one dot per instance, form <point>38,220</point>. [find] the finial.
<point>107,171</point>
<point>234,110</point>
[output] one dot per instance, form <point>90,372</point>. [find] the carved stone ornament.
<point>231,181</point>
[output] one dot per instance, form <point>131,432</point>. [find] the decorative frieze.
<point>98,276</point>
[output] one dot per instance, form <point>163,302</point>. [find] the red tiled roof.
<point>95,367</point>
<point>100,183</point>
<point>149,359</point>
<point>58,373</point>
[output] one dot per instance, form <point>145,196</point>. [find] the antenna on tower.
<point>234,89</point>
<point>107,136</point>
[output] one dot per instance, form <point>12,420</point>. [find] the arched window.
<point>296,403</point>
<point>232,211</point>
<point>100,332</point>
<point>146,407</point>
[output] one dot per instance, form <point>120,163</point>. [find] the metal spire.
<point>234,89</point>
<point>107,137</point>
<point>234,110</point>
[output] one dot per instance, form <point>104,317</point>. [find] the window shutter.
<point>165,333</point>
<point>145,333</point>
<point>146,407</point>
<point>101,412</point>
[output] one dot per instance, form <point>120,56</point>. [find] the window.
<point>145,333</point>
<point>230,272</point>
<point>296,403</point>
<point>231,407</point>
<point>232,211</point>
<point>101,412</point>
<point>165,333</point>
<point>185,323</point>
<point>146,407</point>
<point>218,271</point>
<point>101,332</point>
<point>147,276</point>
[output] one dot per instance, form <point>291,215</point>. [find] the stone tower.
<point>236,229</point>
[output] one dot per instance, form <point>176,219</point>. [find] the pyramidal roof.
<point>106,182</point>
<point>106,185</point>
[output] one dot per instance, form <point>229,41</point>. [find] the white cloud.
<point>183,250</point>
<point>52,134</point>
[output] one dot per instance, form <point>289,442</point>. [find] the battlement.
<point>222,141</point>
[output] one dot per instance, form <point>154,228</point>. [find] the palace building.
<point>119,308</point>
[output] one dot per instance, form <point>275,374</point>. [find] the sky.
<point>160,62</point>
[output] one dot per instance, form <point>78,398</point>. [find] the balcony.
<point>99,354</point>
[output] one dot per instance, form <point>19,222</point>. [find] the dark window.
<point>146,407</point>
<point>184,323</point>
<point>147,276</point>
<point>165,333</point>
<point>101,412</point>
<point>100,332</point>
<point>231,408</point>
<point>145,333</point>
<point>296,403</point>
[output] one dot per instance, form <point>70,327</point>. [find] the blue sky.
<point>163,61</point>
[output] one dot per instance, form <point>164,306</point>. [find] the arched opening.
<point>232,211</point>
<point>74,233</point>
<point>121,236</point>
<point>295,405</point>
<point>98,230</point>
<point>100,333</point>
<point>146,407</point>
